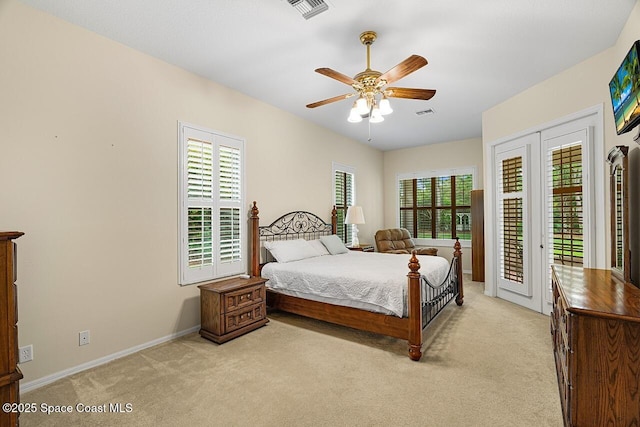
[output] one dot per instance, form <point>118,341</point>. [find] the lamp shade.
<point>354,215</point>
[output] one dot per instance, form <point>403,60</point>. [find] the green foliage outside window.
<point>437,207</point>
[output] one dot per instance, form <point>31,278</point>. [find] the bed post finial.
<point>255,240</point>
<point>458,254</point>
<point>414,263</point>
<point>415,309</point>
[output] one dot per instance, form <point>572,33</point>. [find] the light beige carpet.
<point>488,363</point>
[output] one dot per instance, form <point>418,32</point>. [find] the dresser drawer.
<point>244,297</point>
<point>243,317</point>
<point>565,326</point>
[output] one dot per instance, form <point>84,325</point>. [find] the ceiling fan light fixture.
<point>376,117</point>
<point>354,117</point>
<point>385,106</point>
<point>362,106</point>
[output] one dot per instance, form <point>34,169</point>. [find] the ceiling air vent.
<point>309,8</point>
<point>425,112</point>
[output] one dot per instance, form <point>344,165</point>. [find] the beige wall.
<point>572,90</point>
<point>456,154</point>
<point>88,163</point>
<point>576,89</point>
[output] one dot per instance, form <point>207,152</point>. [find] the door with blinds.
<point>566,200</point>
<point>544,208</point>
<point>545,204</point>
<point>517,221</point>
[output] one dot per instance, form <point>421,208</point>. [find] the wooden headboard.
<point>290,226</point>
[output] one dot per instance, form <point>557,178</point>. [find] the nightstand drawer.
<point>244,297</point>
<point>243,317</point>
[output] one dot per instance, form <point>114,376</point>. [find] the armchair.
<point>398,241</point>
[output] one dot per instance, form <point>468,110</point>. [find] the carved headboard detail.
<point>290,226</point>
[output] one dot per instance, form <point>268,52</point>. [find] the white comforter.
<point>369,279</point>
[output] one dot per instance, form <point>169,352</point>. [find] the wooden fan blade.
<point>336,75</point>
<point>330,100</point>
<point>408,66</point>
<point>405,92</point>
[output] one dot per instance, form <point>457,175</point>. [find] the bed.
<point>402,309</point>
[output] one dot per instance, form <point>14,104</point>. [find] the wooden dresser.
<point>232,307</point>
<point>10,374</point>
<point>595,326</point>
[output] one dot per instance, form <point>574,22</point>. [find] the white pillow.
<point>334,245</point>
<point>319,247</point>
<point>290,250</point>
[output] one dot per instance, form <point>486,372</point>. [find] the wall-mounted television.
<point>624,88</point>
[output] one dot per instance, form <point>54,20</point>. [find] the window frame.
<point>217,269</point>
<point>339,167</point>
<point>468,170</point>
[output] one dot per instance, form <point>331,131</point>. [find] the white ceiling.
<point>479,54</point>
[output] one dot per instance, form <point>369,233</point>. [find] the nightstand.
<point>232,307</point>
<point>364,247</point>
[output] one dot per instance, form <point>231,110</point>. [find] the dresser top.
<point>595,292</point>
<point>8,235</point>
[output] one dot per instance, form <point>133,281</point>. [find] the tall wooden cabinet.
<point>10,374</point>
<point>477,235</point>
<point>595,325</point>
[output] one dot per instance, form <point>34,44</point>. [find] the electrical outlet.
<point>84,338</point>
<point>25,354</point>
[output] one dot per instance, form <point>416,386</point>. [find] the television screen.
<point>625,91</point>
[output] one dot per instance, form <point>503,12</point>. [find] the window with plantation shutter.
<point>565,218</point>
<point>436,204</point>
<point>211,203</point>
<point>344,196</point>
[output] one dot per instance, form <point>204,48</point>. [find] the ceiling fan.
<point>371,86</point>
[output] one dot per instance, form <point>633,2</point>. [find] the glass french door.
<point>515,163</point>
<point>542,204</point>
<point>545,198</point>
<point>567,199</point>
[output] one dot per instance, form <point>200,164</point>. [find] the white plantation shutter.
<point>344,196</point>
<point>512,195</point>
<point>212,199</point>
<point>199,193</point>
<point>230,205</point>
<point>199,169</point>
<point>567,221</point>
<point>565,204</point>
<point>230,173</point>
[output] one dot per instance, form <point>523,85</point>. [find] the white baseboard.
<point>32,385</point>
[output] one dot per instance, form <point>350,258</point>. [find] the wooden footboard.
<point>410,328</point>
